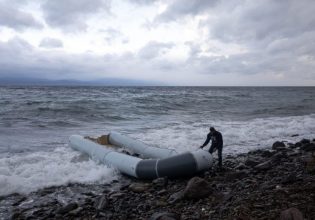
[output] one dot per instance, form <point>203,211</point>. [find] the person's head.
<point>212,129</point>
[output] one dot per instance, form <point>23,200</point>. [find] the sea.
<point>36,122</point>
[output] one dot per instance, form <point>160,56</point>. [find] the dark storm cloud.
<point>51,43</point>
<point>19,59</point>
<point>71,15</point>
<point>263,21</point>
<point>277,37</point>
<point>17,19</point>
<point>154,49</point>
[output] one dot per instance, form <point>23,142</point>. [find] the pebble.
<point>67,208</point>
<point>256,185</point>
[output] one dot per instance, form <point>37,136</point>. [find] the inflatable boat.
<point>154,162</point>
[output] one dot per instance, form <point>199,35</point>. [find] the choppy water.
<point>35,123</point>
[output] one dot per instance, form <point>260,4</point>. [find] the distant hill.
<point>73,82</point>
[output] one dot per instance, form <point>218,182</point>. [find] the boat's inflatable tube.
<point>185,164</point>
<point>139,147</point>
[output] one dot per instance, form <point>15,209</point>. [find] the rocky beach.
<point>273,183</point>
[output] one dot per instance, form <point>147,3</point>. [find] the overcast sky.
<point>175,42</point>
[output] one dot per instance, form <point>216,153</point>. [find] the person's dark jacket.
<point>216,138</point>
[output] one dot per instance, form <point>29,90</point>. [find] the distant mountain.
<point>73,82</point>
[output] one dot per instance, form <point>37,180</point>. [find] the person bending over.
<point>216,143</point>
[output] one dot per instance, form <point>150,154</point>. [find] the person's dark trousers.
<point>219,148</point>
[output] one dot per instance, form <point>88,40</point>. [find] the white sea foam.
<point>24,173</point>
<point>239,136</point>
<point>27,172</point>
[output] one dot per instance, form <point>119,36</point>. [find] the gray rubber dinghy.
<point>153,162</point>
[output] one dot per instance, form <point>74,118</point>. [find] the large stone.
<point>197,188</point>
<point>235,176</point>
<point>305,141</point>
<point>251,162</point>
<point>308,147</point>
<point>76,211</point>
<point>67,208</point>
<point>264,166</point>
<point>298,144</point>
<point>176,197</point>
<point>291,214</point>
<point>289,179</point>
<point>102,203</point>
<point>138,187</point>
<point>160,182</point>
<point>164,216</point>
<point>310,164</point>
<point>278,156</point>
<point>19,201</point>
<point>267,153</point>
<point>278,145</point>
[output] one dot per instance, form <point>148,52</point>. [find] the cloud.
<point>13,17</point>
<point>51,43</point>
<point>71,15</point>
<point>113,34</point>
<point>153,49</point>
<point>263,20</point>
<point>277,37</point>
<point>143,2</point>
<point>19,58</point>
<point>226,40</point>
<point>181,8</point>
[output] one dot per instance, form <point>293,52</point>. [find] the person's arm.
<point>207,141</point>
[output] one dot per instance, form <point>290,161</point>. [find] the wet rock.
<point>76,211</point>
<point>164,216</point>
<point>251,162</point>
<point>175,197</point>
<point>298,144</point>
<point>161,203</point>
<point>291,214</point>
<point>305,141</point>
<point>19,201</point>
<point>278,156</point>
<point>267,153</point>
<point>160,182</point>
<point>264,166</point>
<point>309,164</point>
<point>308,147</point>
<point>162,192</point>
<point>241,166</point>
<point>138,187</point>
<point>16,215</point>
<point>235,176</point>
<point>190,216</point>
<point>278,145</point>
<point>197,188</point>
<point>46,191</point>
<point>67,208</point>
<point>291,145</point>
<point>125,186</point>
<point>102,203</point>
<point>116,195</point>
<point>289,179</point>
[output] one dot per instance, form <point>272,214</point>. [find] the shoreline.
<point>261,184</point>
